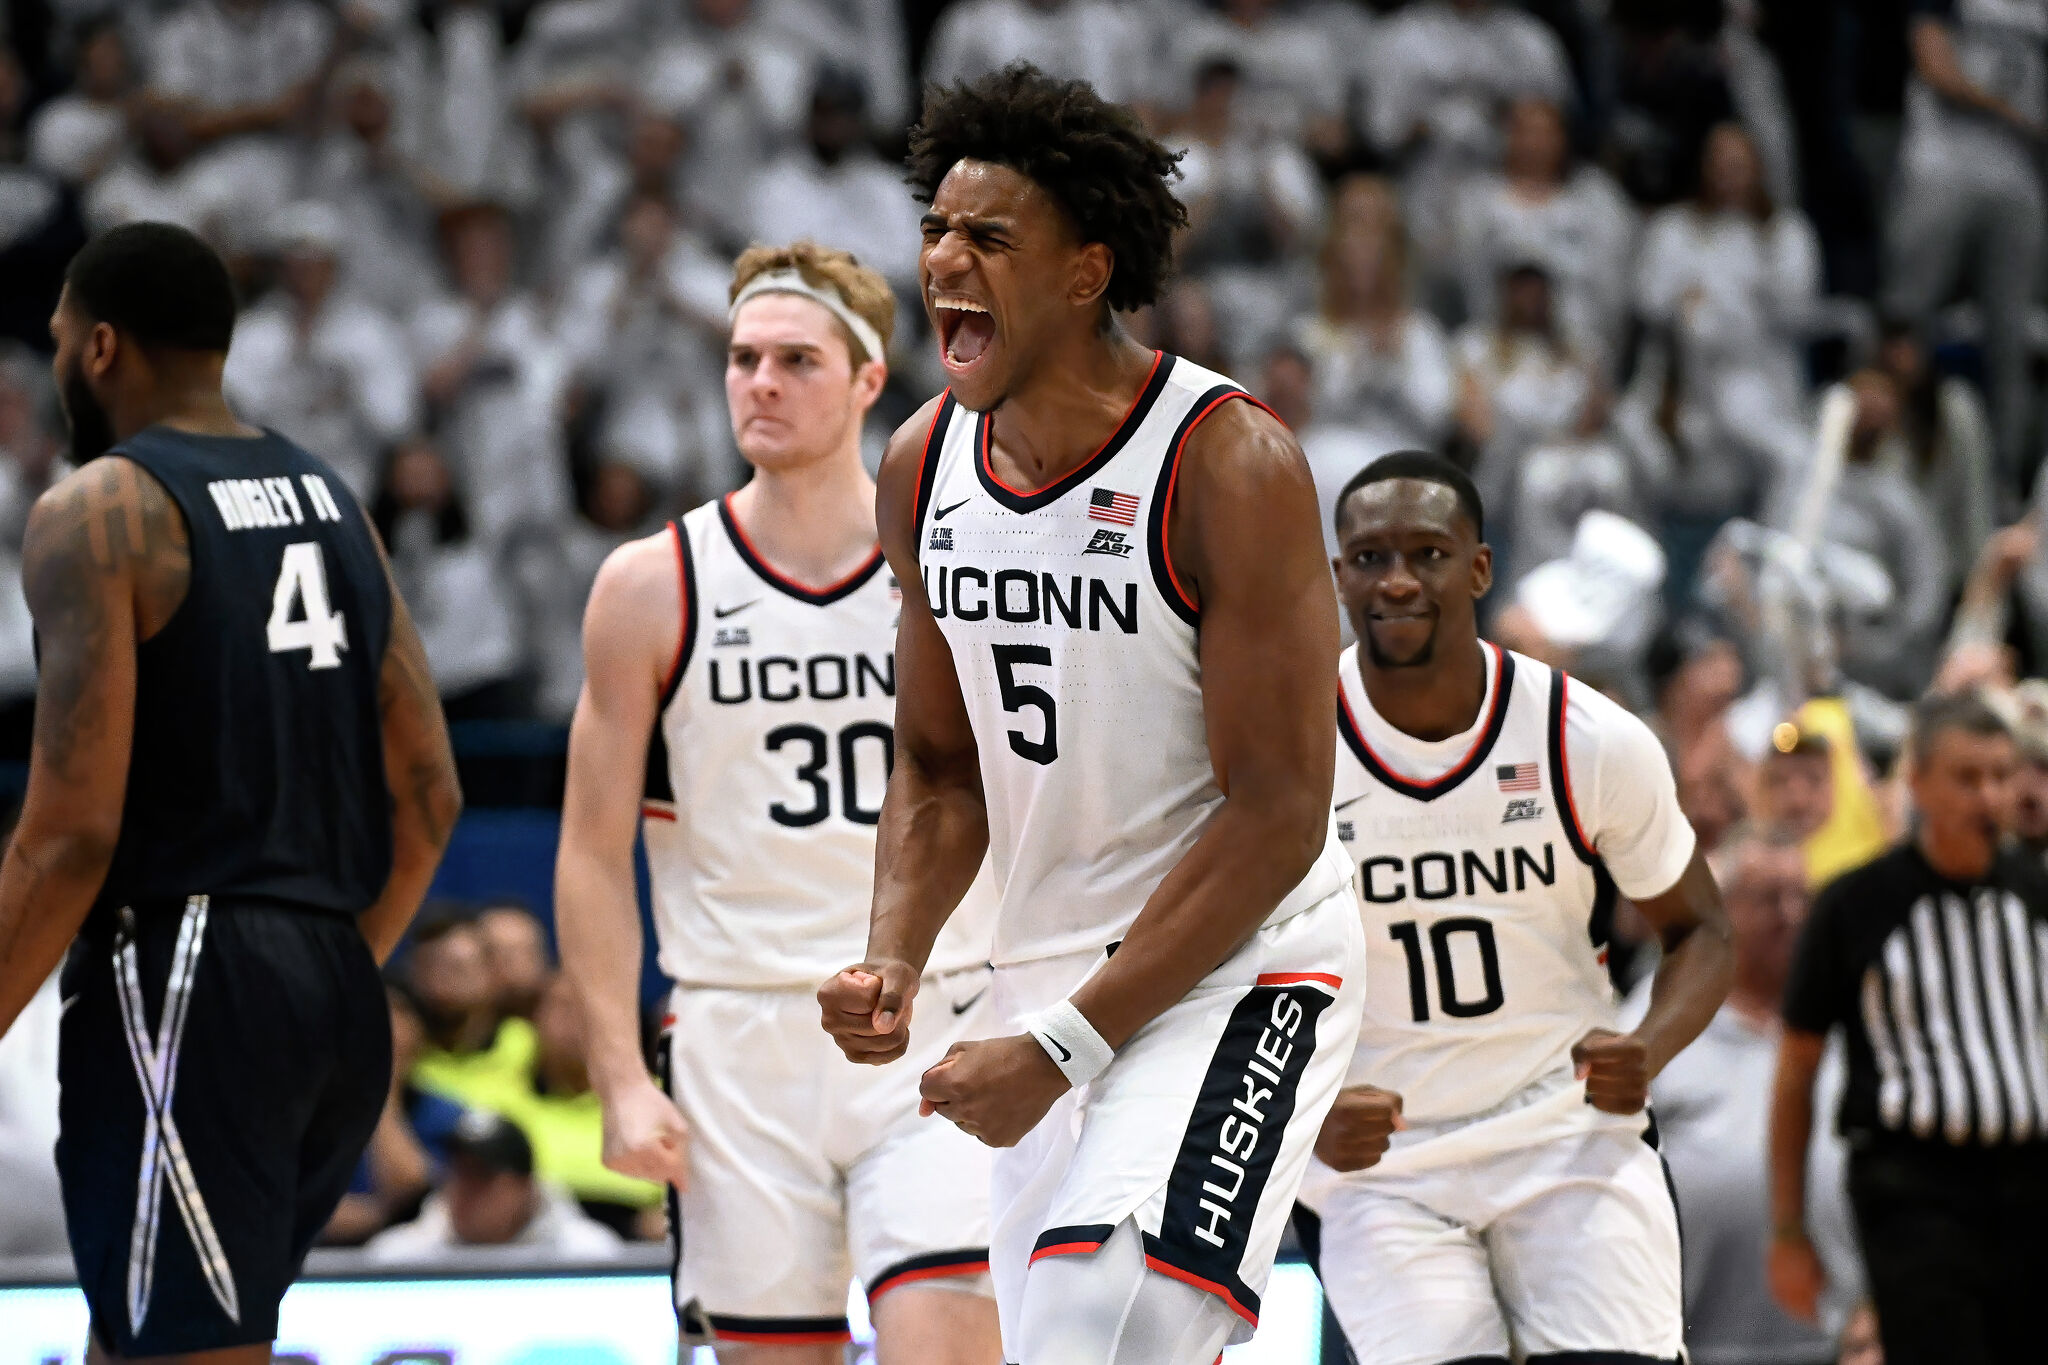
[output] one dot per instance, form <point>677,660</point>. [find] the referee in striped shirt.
<point>1933,961</point>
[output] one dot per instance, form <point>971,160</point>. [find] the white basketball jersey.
<point>767,768</point>
<point>1076,653</point>
<point>1486,908</point>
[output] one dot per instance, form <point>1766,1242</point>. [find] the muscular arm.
<point>1691,982</point>
<point>934,828</point>
<point>1244,541</point>
<point>629,640</point>
<point>102,539</point>
<point>419,768</point>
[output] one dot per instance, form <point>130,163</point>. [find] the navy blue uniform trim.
<point>1141,407</point>
<point>767,573</point>
<point>931,1266</point>
<point>1162,497</point>
<point>1070,1240</point>
<point>928,463</point>
<point>1503,692</point>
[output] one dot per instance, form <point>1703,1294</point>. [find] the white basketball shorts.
<point>808,1171</point>
<point>1199,1131</point>
<point>1564,1245</point>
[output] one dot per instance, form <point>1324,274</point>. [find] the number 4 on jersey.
<point>302,582</point>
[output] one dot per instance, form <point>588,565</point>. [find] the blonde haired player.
<point>744,656</point>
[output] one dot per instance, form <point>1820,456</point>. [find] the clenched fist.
<point>645,1136</point>
<point>1361,1125</point>
<point>1616,1070</point>
<point>866,1009</point>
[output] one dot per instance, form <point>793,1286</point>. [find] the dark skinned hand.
<point>995,1090</point>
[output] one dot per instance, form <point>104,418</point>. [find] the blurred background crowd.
<point>1733,308</point>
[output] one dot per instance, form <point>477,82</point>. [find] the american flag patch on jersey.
<point>1516,777</point>
<point>1121,508</point>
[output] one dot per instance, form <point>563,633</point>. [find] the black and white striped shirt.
<point>1942,989</point>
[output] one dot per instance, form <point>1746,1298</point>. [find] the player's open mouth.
<point>966,331</point>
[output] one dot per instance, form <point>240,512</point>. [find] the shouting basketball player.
<point>239,790</point>
<point>1494,809</point>
<point>750,647</point>
<point>1115,649</point>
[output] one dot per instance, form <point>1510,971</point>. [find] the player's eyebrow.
<point>733,346</point>
<point>970,224</point>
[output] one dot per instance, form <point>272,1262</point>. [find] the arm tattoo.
<point>104,540</point>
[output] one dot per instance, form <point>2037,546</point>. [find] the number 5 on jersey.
<point>317,628</point>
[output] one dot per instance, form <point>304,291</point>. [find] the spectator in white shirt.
<point>1105,44</point>
<point>1969,195</point>
<point>1382,366</point>
<point>1519,380</point>
<point>494,378</point>
<point>1541,207</point>
<point>741,86</point>
<point>1296,83</point>
<point>241,77</point>
<point>835,189</point>
<point>645,330</point>
<point>80,133</point>
<point>1335,451</point>
<point>1943,445</point>
<point>453,582</point>
<point>318,364</point>
<point>1252,194</point>
<point>1713,1123</point>
<point>492,1203</point>
<point>1437,78</point>
<point>1735,273</point>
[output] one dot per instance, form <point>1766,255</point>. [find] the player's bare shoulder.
<point>1240,472</point>
<point>109,517</point>
<point>636,605</point>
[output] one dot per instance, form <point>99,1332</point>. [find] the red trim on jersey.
<point>1064,1249</point>
<point>653,812</point>
<point>1173,478</point>
<point>1564,767</point>
<point>1174,1272</point>
<point>761,561</point>
<point>930,1272</point>
<point>675,665</point>
<point>1486,728</point>
<point>988,467</point>
<point>784,1338</point>
<point>1335,983</point>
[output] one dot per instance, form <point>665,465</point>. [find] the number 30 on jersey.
<point>302,588</point>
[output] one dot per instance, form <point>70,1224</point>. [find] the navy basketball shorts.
<point>222,1067</point>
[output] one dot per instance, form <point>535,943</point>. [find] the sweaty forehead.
<point>1405,507</point>
<point>986,193</point>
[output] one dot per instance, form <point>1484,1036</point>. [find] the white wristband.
<point>1071,1041</point>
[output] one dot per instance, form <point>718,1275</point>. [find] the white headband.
<point>791,282</point>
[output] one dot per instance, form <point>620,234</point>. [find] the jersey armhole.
<point>686,636</point>
<point>1561,773</point>
<point>928,469</point>
<point>1163,575</point>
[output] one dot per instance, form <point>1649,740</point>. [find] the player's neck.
<point>1070,406</point>
<point>196,412</point>
<point>815,524</point>
<point>1440,699</point>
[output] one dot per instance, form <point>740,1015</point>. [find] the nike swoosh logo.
<point>944,512</point>
<point>65,1004</point>
<point>722,612</point>
<point>970,1002</point>
<point>1065,1055</point>
<point>1342,805</point>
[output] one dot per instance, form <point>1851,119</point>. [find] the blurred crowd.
<point>1732,307</point>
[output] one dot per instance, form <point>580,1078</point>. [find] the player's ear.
<point>102,346</point>
<point>1093,265</point>
<point>869,379</point>
<point>1482,571</point>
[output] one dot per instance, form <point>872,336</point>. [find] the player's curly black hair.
<point>1093,157</point>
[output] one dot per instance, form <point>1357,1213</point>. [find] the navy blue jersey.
<point>258,762</point>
